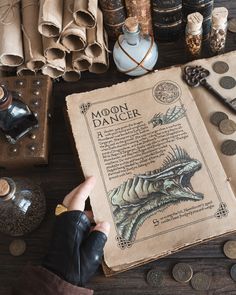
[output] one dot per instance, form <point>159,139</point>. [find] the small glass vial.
<point>193,34</point>
<point>218,29</point>
<point>16,119</point>
<point>133,53</point>
<point>22,206</point>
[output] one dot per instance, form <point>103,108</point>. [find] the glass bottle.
<point>16,119</point>
<point>133,53</point>
<point>22,206</point>
<point>218,29</point>
<point>193,34</point>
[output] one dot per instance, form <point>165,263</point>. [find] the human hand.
<point>76,250</point>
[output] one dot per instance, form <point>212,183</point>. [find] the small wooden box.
<point>32,149</point>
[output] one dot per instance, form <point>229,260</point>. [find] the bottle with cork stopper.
<point>16,119</point>
<point>133,53</point>
<point>22,206</point>
<point>218,32</point>
<point>193,34</point>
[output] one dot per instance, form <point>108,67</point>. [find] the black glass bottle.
<point>16,119</point>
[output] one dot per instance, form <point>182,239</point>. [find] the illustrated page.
<point>159,180</point>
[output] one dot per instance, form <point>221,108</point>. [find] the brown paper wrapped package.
<point>53,49</point>
<point>95,38</point>
<point>55,70</point>
<point>100,64</point>
<point>85,12</point>
<point>80,61</point>
<point>33,47</point>
<point>50,17</point>
<point>10,33</point>
<point>70,75</point>
<point>142,10</point>
<point>73,37</point>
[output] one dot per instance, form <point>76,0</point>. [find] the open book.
<point>162,181</point>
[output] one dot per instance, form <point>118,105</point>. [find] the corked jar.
<point>218,30</point>
<point>193,34</point>
<point>22,206</point>
<point>133,53</point>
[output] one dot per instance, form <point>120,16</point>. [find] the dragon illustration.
<point>172,115</point>
<point>142,196</point>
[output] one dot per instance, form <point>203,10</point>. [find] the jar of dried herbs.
<point>218,29</point>
<point>193,33</point>
<point>22,206</point>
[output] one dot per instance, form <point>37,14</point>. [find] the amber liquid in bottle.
<point>16,119</point>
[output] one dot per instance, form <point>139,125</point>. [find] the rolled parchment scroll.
<point>81,61</point>
<point>55,70</point>
<point>95,38</point>
<point>11,49</point>
<point>73,37</point>
<point>71,74</point>
<point>53,49</point>
<point>85,12</point>
<point>50,17</point>
<point>100,64</point>
<point>23,70</point>
<point>33,47</point>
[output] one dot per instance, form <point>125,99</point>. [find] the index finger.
<point>75,200</point>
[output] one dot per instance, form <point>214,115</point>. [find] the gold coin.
<point>230,249</point>
<point>17,247</point>
<point>227,126</point>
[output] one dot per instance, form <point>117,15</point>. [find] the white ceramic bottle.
<point>134,54</point>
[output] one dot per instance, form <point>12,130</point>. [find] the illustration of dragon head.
<point>137,199</point>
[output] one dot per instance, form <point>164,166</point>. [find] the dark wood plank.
<point>62,175</point>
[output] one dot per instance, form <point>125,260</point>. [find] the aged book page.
<point>208,104</point>
<point>160,182</point>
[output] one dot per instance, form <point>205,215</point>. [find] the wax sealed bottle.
<point>193,34</point>
<point>22,206</point>
<point>133,53</point>
<point>16,119</point>
<point>218,30</point>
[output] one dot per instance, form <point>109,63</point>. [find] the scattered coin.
<point>233,272</point>
<point>17,247</point>
<point>228,148</point>
<point>230,249</point>
<point>220,67</point>
<point>232,25</point>
<point>217,117</point>
<point>227,126</point>
<point>154,278</point>
<point>182,272</point>
<point>227,82</point>
<point>201,281</point>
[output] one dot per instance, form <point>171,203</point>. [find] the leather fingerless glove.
<point>74,253</point>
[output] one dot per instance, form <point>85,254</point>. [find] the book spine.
<point>167,19</point>
<point>114,15</point>
<point>142,10</point>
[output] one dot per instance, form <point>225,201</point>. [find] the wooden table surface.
<point>61,175</point>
